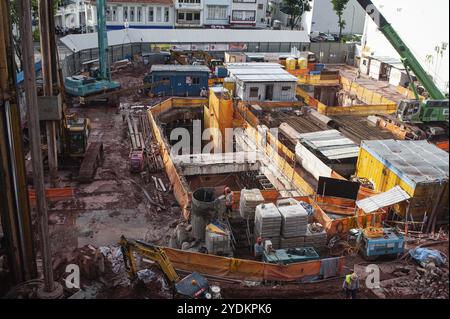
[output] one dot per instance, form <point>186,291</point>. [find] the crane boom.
<point>408,58</point>
<point>105,73</point>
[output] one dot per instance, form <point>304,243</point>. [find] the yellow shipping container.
<point>302,63</point>
<point>291,64</point>
<point>419,167</point>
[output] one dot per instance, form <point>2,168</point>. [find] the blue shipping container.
<point>183,80</point>
<point>319,67</point>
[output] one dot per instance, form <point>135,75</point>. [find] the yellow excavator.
<point>193,286</point>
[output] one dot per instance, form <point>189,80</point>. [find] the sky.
<point>423,25</point>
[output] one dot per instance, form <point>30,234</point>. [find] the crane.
<point>192,286</point>
<point>429,114</point>
<point>99,79</point>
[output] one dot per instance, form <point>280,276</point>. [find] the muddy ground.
<point>112,205</point>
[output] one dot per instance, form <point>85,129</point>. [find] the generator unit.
<point>380,242</point>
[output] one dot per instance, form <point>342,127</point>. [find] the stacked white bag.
<point>250,198</point>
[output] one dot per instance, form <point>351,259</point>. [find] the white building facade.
<point>425,31</point>
<point>216,13</point>
<point>75,14</point>
<point>243,13</point>
<point>189,13</point>
<point>142,14</point>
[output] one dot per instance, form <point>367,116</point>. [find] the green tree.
<point>14,14</point>
<point>339,7</point>
<point>295,10</point>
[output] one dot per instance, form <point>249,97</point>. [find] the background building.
<point>243,13</point>
<point>216,13</point>
<point>188,13</point>
<point>417,25</point>
<point>75,14</point>
<point>145,14</point>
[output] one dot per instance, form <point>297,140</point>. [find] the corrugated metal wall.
<point>423,196</point>
<point>326,52</point>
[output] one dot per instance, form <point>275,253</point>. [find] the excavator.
<point>193,286</point>
<point>414,119</point>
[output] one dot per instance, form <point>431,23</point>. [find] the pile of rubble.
<point>430,282</point>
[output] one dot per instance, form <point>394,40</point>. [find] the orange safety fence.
<point>177,102</point>
<point>241,269</point>
<point>443,145</point>
<point>309,100</point>
<point>53,194</point>
<point>179,190</point>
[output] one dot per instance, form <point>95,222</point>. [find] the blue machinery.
<point>99,80</point>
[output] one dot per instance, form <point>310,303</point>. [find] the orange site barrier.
<point>352,218</point>
<point>241,269</point>
<point>52,194</point>
<point>179,190</point>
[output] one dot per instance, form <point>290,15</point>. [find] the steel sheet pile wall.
<point>220,115</point>
<point>376,103</point>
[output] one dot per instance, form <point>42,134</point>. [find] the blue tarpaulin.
<point>425,255</point>
<point>20,75</point>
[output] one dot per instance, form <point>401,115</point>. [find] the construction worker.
<point>228,201</point>
<point>258,249</point>
<point>351,286</point>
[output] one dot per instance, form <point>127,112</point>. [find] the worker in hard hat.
<point>228,201</point>
<point>351,285</point>
<point>259,249</point>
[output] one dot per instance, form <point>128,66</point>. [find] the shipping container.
<point>418,167</point>
<point>182,80</point>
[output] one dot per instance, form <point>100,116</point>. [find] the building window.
<point>197,16</point>
<point>139,14</point>
<point>115,17</point>
<point>158,14</point>
<point>125,13</point>
<point>180,15</point>
<point>254,92</point>
<point>132,14</point>
<point>108,14</point>
<point>151,15</point>
<point>244,15</point>
<point>244,1</point>
<point>217,12</point>
<point>286,88</point>
<point>195,80</point>
<point>166,14</point>
<point>189,1</point>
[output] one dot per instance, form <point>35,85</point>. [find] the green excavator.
<point>431,115</point>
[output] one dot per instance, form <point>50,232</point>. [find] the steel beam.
<point>34,129</point>
<point>14,204</point>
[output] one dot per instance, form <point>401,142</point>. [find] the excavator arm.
<point>152,252</point>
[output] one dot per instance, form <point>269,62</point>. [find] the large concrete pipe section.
<point>203,211</point>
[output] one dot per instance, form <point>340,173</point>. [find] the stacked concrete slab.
<point>250,198</point>
<point>294,221</point>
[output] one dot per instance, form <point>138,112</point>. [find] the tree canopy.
<point>295,10</point>
<point>339,6</point>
